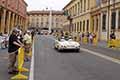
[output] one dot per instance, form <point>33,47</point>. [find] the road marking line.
<point>31,76</point>
<point>102,56</point>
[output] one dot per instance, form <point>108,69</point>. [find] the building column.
<point>110,18</point>
<point>12,22</point>
<point>73,27</point>
<point>91,24</point>
<point>117,18</point>
<point>74,10</point>
<point>99,26</point>
<point>95,24</point>
<point>83,5</point>
<point>82,27</point>
<point>101,21</point>
<point>78,26</point>
<point>77,9</point>
<point>21,22</point>
<point>3,21</point>
<point>24,24</point>
<point>8,22</point>
<point>16,18</point>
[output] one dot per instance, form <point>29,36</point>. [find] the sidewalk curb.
<point>31,75</point>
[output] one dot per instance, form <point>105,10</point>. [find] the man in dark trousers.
<point>13,47</point>
<point>33,33</point>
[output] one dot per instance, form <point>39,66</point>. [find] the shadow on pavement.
<point>69,51</point>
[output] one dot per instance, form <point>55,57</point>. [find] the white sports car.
<point>66,44</point>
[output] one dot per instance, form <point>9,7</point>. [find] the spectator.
<point>1,39</point>
<point>91,38</point>
<point>20,36</point>
<point>6,38</point>
<point>32,34</point>
<point>27,41</point>
<point>87,35</point>
<point>13,47</point>
<point>82,37</point>
<point>112,35</point>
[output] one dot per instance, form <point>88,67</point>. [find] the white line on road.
<point>102,56</point>
<point>31,76</point>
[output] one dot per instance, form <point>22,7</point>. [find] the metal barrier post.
<point>20,76</point>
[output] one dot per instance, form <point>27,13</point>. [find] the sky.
<point>43,4</point>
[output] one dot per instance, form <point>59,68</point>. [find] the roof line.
<point>68,4</point>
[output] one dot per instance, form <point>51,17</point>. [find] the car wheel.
<point>59,49</point>
<point>55,47</point>
<point>77,50</point>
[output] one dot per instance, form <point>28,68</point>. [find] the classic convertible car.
<point>66,44</point>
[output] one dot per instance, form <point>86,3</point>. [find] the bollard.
<point>95,41</point>
<point>85,40</point>
<point>109,43</point>
<point>21,69</point>
<point>117,43</point>
<point>112,43</point>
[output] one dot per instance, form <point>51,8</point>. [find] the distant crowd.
<point>90,37</point>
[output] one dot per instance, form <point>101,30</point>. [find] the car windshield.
<point>70,39</point>
<point>66,39</point>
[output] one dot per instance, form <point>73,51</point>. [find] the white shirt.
<point>27,38</point>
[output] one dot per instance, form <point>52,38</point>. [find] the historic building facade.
<point>40,19</point>
<point>12,12</point>
<point>98,16</point>
<point>112,14</point>
<point>79,11</point>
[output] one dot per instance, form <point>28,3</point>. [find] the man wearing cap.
<point>13,47</point>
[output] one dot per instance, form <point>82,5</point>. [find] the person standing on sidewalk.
<point>112,35</point>
<point>6,37</point>
<point>33,34</point>
<point>112,39</point>
<point>91,38</point>
<point>27,39</point>
<point>13,47</point>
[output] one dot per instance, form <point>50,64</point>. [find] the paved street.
<point>4,65</point>
<point>53,65</point>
